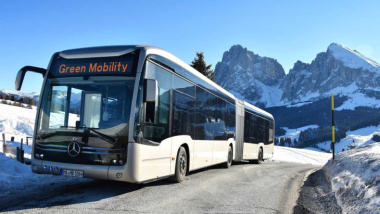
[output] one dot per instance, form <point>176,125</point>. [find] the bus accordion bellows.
<point>137,114</point>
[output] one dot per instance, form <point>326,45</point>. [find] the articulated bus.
<point>137,114</point>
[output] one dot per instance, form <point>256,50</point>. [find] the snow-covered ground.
<point>15,176</point>
<point>16,121</point>
<point>361,136</point>
<point>356,99</point>
<point>355,179</point>
<point>301,156</point>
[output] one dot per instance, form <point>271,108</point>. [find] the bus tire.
<point>180,166</point>
<point>228,163</point>
<point>259,158</point>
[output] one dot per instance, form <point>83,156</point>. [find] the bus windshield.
<point>95,102</point>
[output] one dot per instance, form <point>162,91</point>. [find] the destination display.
<point>92,67</point>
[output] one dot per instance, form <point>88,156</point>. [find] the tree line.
<point>13,100</point>
<point>319,113</point>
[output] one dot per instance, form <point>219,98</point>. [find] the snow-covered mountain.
<point>339,70</point>
<point>262,80</point>
<point>18,95</point>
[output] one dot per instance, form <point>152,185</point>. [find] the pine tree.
<point>200,65</point>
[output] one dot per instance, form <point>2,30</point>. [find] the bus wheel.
<point>229,158</point>
<point>180,166</point>
<point>260,157</point>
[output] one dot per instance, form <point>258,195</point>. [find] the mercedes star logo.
<point>73,149</point>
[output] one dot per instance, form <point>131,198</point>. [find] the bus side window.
<point>157,113</point>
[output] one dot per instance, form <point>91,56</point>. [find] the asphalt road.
<point>245,188</point>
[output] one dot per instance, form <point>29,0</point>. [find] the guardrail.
<point>16,151</point>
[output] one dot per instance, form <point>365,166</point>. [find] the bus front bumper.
<point>103,172</point>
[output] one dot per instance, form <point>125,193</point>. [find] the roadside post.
<point>4,142</point>
<point>21,151</point>
<point>333,127</point>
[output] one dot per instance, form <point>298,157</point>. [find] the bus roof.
<point>113,51</point>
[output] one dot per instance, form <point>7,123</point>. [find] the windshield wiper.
<point>107,138</point>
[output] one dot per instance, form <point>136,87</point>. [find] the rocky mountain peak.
<point>246,74</point>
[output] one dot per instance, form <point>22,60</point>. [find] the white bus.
<point>137,114</point>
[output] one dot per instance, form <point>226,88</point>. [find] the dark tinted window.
<point>201,115</point>
<point>256,129</point>
<point>183,114</point>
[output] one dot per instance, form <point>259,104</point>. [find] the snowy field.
<point>361,136</point>
<point>16,121</point>
<point>355,179</point>
<point>301,156</point>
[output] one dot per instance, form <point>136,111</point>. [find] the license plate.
<point>72,173</point>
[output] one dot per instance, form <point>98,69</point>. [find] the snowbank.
<point>355,179</point>
<point>302,156</point>
<point>16,177</point>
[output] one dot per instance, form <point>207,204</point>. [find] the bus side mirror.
<point>150,90</point>
<point>21,74</point>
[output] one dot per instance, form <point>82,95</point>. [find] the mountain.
<point>18,95</point>
<point>250,76</point>
<point>262,80</point>
<point>300,100</point>
<point>339,70</point>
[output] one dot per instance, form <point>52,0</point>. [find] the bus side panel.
<point>220,151</point>
<point>155,160</point>
<point>251,151</point>
<point>177,141</point>
<point>203,150</point>
<point>269,151</point>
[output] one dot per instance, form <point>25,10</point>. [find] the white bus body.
<point>137,114</point>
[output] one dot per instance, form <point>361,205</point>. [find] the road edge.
<point>291,193</point>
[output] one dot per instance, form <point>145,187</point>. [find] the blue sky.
<point>31,31</point>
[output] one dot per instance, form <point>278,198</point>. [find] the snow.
<point>358,99</point>
<point>271,95</point>
<point>298,104</point>
<point>361,136</point>
<point>294,134</point>
<point>353,59</point>
<point>17,121</point>
<point>300,156</point>
<point>15,176</point>
<point>355,179</point>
